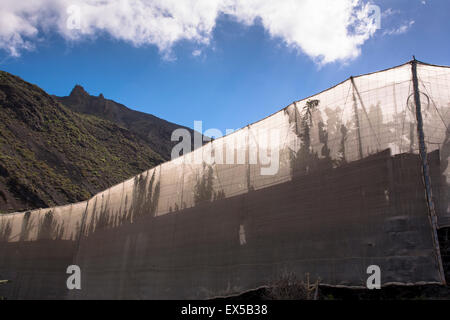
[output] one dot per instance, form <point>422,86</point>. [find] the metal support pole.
<point>426,170</point>
<point>358,126</point>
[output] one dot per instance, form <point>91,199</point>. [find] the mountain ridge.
<point>156,131</point>
<point>51,155</point>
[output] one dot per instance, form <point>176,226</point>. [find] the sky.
<point>227,63</point>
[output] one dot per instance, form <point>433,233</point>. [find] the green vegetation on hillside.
<point>50,155</point>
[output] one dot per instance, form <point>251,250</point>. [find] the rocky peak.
<point>78,91</point>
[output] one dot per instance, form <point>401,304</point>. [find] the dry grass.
<point>290,287</point>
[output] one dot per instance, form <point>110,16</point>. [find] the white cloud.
<point>389,12</point>
<point>400,30</point>
<point>325,30</point>
<point>196,53</point>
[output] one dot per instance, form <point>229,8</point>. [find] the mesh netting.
<point>327,186</point>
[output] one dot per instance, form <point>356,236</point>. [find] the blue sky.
<point>236,74</point>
